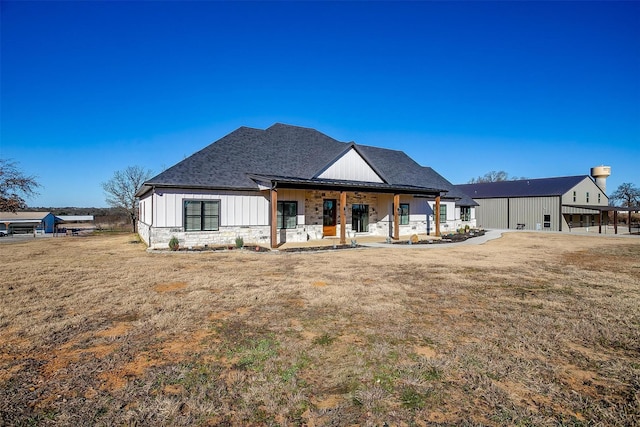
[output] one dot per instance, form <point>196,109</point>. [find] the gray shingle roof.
<point>462,199</point>
<point>285,151</point>
<point>522,188</point>
<point>280,149</point>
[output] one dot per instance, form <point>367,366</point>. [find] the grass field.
<point>529,329</point>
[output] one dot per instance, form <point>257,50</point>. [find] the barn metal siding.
<point>581,190</point>
<point>492,213</point>
<point>530,211</point>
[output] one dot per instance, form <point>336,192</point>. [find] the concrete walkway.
<point>380,242</point>
<point>489,235</point>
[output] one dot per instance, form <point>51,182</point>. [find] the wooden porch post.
<point>274,218</point>
<point>615,222</point>
<point>600,222</point>
<point>396,217</point>
<point>438,216</point>
<point>343,217</point>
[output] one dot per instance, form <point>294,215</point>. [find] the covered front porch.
<point>338,211</point>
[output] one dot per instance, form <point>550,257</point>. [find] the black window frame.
<point>443,213</point>
<point>404,213</point>
<point>202,215</point>
<point>465,213</point>
<point>280,220</point>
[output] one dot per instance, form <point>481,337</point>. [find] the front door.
<point>329,217</point>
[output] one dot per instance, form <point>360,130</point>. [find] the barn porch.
<point>586,217</point>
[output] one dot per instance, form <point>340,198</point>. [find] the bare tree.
<point>14,186</point>
<point>494,176</point>
<point>627,194</point>
<point>121,189</point>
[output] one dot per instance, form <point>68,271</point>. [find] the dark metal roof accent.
<point>337,184</point>
<point>523,187</point>
<point>605,208</point>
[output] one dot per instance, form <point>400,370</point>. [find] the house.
<point>552,204</point>
<point>288,183</point>
<point>28,222</point>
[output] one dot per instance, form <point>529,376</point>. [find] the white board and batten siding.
<point>236,209</point>
<point>351,167</point>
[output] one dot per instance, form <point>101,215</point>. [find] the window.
<point>465,213</point>
<point>287,214</point>
<point>359,218</point>
<point>574,196</point>
<point>404,213</point>
<point>587,197</point>
<point>443,213</point>
<point>547,221</point>
<point>201,215</point>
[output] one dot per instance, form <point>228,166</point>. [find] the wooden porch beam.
<point>274,218</point>
<point>437,206</point>
<point>343,217</point>
<point>396,217</point>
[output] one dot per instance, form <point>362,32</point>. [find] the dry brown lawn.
<point>529,329</point>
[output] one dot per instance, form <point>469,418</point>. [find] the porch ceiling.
<point>600,208</point>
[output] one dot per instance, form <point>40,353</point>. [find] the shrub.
<point>239,242</point>
<point>174,244</point>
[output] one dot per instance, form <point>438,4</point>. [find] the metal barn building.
<point>551,204</point>
<point>28,222</point>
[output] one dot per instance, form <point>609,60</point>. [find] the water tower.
<point>600,173</point>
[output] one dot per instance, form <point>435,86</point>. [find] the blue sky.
<point>536,89</point>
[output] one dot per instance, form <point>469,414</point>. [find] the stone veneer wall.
<point>224,236</point>
<point>143,232</point>
<point>313,204</point>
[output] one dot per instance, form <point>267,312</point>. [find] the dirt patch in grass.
<point>529,329</point>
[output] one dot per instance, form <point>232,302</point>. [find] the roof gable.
<point>350,166</point>
<point>523,188</point>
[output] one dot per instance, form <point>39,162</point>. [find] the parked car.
<point>4,233</point>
